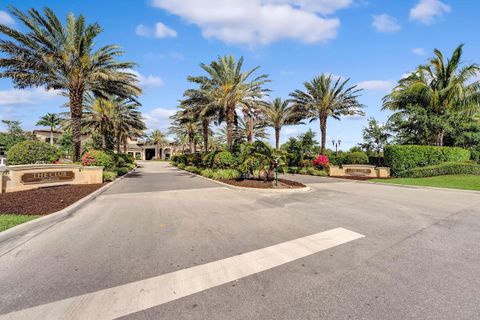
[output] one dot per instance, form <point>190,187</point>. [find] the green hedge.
<point>357,157</point>
<point>405,157</point>
<point>31,152</point>
<point>109,176</point>
<point>442,169</point>
<point>224,160</point>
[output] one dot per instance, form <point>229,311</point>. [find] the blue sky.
<point>373,42</point>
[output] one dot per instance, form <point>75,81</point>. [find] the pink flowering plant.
<point>321,161</point>
<point>88,159</point>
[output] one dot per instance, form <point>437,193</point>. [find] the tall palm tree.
<point>326,97</point>
<point>278,114</point>
<point>158,138</point>
<point>439,87</point>
<point>127,121</point>
<point>52,121</point>
<point>98,116</point>
<point>230,87</point>
<point>63,57</point>
<point>184,123</point>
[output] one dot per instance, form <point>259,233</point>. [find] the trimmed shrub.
<point>376,161</point>
<point>173,163</point>
<point>193,169</point>
<point>337,160</point>
<point>442,169</point>
<point>98,158</point>
<point>123,170</point>
<point>127,158</point>
<point>315,172</point>
<point>31,152</point>
<point>293,170</point>
<point>357,157</point>
<point>224,160</point>
<point>109,176</point>
<point>226,174</point>
<point>405,157</point>
<point>208,159</point>
<point>181,158</point>
<point>208,173</point>
<point>181,166</point>
<point>303,170</point>
<point>194,159</point>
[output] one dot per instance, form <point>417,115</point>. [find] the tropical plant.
<point>266,158</point>
<point>52,121</point>
<point>278,114</point>
<point>229,87</point>
<point>158,138</point>
<point>185,124</point>
<point>326,97</point>
<point>375,136</point>
<point>433,93</point>
<point>62,57</point>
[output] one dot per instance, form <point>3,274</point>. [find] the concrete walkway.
<point>418,258</point>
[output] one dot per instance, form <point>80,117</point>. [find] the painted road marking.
<point>144,294</point>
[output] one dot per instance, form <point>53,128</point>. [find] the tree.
<point>442,88</point>
<point>98,117</point>
<point>52,121</point>
<point>278,114</point>
<point>62,57</point>
<point>230,87</point>
<point>375,136</point>
<point>126,121</point>
<point>13,135</point>
<point>185,124</point>
<point>325,97</point>
<point>158,138</point>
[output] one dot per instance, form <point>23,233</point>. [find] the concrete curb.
<point>229,186</point>
<point>55,217</point>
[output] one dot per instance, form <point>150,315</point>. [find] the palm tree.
<point>184,123</point>
<point>278,114</point>
<point>230,87</point>
<point>325,97</point>
<point>440,87</point>
<point>98,116</point>
<point>158,138</point>
<point>51,120</point>
<point>127,121</point>
<point>62,57</point>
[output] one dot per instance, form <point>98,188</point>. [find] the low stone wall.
<point>354,170</point>
<point>25,177</point>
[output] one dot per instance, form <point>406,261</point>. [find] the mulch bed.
<point>260,184</point>
<point>43,201</point>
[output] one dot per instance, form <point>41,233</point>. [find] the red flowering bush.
<point>321,161</point>
<point>88,159</point>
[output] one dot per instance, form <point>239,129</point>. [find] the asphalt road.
<point>418,258</point>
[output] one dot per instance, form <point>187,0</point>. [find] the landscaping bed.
<point>261,184</point>
<point>43,201</point>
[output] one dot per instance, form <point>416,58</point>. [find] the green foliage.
<point>400,158</point>
<point>208,173</point>
<point>224,160</point>
<point>226,174</point>
<point>446,168</point>
<point>14,135</point>
<point>109,176</point>
<point>195,159</point>
<point>180,158</point>
<point>375,137</point>
<point>181,166</point>
<point>376,161</point>
<point>30,152</point>
<point>99,158</point>
<point>209,158</point>
<point>293,170</point>
<point>127,158</point>
<point>193,169</point>
<point>315,172</point>
<point>122,170</point>
<point>339,160</point>
<point>358,157</point>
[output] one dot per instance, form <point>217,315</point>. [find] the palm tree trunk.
<point>76,102</point>
<point>230,124</point>
<point>250,124</point>
<point>124,145</point>
<point>51,136</point>
<point>440,136</point>
<point>205,134</point>
<point>323,130</point>
<point>104,136</point>
<point>277,138</point>
<point>190,141</point>
<point>119,142</point>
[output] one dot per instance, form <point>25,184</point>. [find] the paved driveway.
<point>418,258</point>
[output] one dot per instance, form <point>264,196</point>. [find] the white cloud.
<point>160,31</point>
<point>385,23</point>
<point>376,85</point>
<point>24,97</point>
<point>6,19</point>
<point>427,10</point>
<point>419,51</point>
<point>158,118</point>
<point>291,131</point>
<point>320,6</point>
<point>254,22</point>
<point>149,81</point>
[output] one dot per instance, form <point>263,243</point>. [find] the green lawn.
<point>11,220</point>
<point>465,182</point>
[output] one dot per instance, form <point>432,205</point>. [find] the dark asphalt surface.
<point>419,258</point>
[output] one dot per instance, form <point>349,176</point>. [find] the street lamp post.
<point>336,144</point>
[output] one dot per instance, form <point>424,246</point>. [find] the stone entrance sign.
<point>32,176</point>
<point>47,177</point>
<point>352,170</point>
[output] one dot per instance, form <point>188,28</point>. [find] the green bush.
<point>173,163</point>
<point>224,160</point>
<point>208,173</point>
<point>98,158</point>
<point>195,159</point>
<point>405,157</point>
<point>376,161</point>
<point>181,166</point>
<point>208,159</point>
<point>226,174</point>
<point>293,170</point>
<point>109,176</point>
<point>303,170</point>
<point>193,169</point>
<point>130,166</point>
<point>127,158</point>
<point>475,155</point>
<point>315,172</point>
<point>442,169</point>
<point>337,160</point>
<point>180,158</point>
<point>31,152</point>
<point>123,170</point>
<point>357,157</point>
